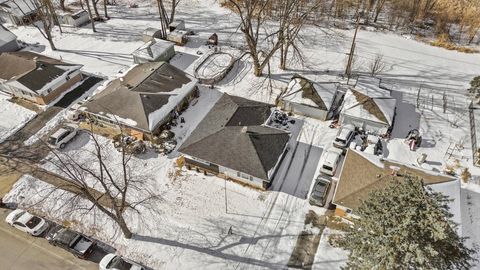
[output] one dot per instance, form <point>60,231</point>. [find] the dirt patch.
<point>7,180</point>
<point>303,254</point>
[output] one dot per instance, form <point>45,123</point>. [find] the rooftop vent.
<point>244,129</point>
<point>395,170</point>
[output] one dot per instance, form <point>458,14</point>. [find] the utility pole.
<point>348,69</point>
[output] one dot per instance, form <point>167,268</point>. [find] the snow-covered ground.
<point>191,231</point>
<point>12,117</point>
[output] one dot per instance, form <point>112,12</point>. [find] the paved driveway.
<point>296,172</point>
<point>19,251</point>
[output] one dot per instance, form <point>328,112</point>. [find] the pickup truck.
<point>76,243</point>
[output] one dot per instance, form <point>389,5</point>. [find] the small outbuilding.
<point>76,19</point>
<point>317,100</point>
<point>176,25</point>
<point>151,33</point>
<point>17,12</point>
<point>155,50</point>
<point>8,41</point>
<point>369,107</point>
<point>178,36</point>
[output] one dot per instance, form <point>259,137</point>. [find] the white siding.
<point>248,179</point>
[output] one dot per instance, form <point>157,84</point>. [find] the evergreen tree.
<point>406,226</point>
<point>475,86</point>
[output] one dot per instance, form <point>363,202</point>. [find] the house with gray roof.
<point>36,77</point>
<point>234,142</point>
<point>8,40</point>
<point>144,99</point>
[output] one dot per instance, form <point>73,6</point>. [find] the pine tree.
<point>475,86</point>
<point>406,226</point>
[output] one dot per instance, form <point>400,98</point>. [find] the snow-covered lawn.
<point>191,231</point>
<point>12,117</point>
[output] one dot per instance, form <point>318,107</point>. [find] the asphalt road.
<point>20,251</point>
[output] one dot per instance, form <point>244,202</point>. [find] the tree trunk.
<point>173,10</point>
<point>62,5</point>
<point>95,9</point>
<point>92,21</point>
<point>105,9</point>
<point>123,226</point>
<point>50,41</point>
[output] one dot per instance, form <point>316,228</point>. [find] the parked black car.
<point>74,242</point>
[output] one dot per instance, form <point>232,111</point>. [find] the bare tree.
<point>47,17</point>
<point>164,20</point>
<point>92,20</point>
<point>377,65</point>
<point>105,2</point>
<point>113,187</point>
<point>173,9</point>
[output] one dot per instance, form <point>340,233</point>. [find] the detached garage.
<point>374,111</point>
<point>316,100</point>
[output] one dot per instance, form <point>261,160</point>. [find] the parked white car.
<point>330,161</point>
<point>115,262</point>
<point>344,136</point>
<point>27,222</point>
<point>62,136</point>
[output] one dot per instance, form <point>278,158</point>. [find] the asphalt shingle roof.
<point>232,135</point>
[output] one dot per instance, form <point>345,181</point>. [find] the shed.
<point>8,41</point>
<point>369,107</point>
<point>178,36</point>
<point>151,33</point>
<point>176,25</point>
<point>318,100</point>
<point>17,12</point>
<point>155,50</point>
<point>76,19</point>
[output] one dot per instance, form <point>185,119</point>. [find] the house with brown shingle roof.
<point>363,173</point>
<point>369,107</point>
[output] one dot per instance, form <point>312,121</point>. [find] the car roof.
<point>25,217</point>
<point>59,133</point>
<point>331,157</point>
<point>344,131</point>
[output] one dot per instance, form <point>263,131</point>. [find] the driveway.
<point>296,172</point>
<point>19,251</point>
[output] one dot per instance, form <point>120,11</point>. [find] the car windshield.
<point>33,222</point>
<point>327,167</point>
<point>119,263</point>
<point>52,140</point>
<point>340,140</point>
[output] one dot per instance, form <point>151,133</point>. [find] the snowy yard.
<point>189,228</point>
<point>13,117</point>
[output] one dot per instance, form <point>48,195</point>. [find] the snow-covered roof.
<point>19,8</point>
<point>153,49</point>
<point>6,36</point>
<point>362,173</point>
<point>316,94</point>
<point>370,104</point>
<point>144,96</point>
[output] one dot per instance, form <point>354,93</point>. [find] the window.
<point>348,211</point>
<point>68,77</point>
<point>49,90</point>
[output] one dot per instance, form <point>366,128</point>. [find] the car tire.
<point>62,146</point>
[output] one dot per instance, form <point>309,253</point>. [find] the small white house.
<point>369,107</point>
<point>76,19</point>
<point>316,100</point>
<point>156,50</point>
<point>150,34</point>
